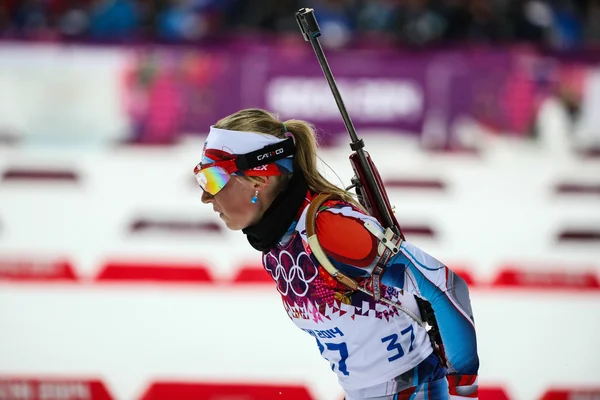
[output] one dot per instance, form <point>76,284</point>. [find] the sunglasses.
<point>213,177</point>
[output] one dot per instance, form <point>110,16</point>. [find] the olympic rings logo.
<point>293,274</point>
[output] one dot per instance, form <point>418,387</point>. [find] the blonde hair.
<point>305,159</point>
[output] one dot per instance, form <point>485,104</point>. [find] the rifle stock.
<point>367,198</point>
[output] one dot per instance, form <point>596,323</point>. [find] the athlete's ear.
<point>262,182</point>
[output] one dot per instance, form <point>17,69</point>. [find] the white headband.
<point>238,142</point>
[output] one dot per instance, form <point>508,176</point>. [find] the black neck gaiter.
<point>275,222</point>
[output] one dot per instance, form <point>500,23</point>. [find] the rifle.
<point>369,189</point>
<point>366,181</point>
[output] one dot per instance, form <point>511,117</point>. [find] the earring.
<point>255,198</point>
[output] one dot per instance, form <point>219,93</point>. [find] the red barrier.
<point>572,188</point>
<point>224,391</point>
<point>537,279</point>
<point>252,274</point>
<point>123,271</point>
<point>14,388</point>
<point>492,393</point>
<point>580,236</point>
<point>572,394</point>
<point>415,184</point>
<point>174,226</point>
<point>29,270</point>
<point>57,270</point>
<point>39,175</point>
<point>418,230</point>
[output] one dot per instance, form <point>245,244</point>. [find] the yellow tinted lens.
<point>212,179</point>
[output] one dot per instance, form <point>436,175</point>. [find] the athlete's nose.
<point>207,197</point>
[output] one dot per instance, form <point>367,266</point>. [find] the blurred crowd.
<point>554,23</point>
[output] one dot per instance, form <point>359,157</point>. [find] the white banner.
<point>52,93</point>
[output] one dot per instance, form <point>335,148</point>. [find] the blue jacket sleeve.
<point>416,271</point>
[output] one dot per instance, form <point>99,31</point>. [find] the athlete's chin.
<point>232,225</point>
